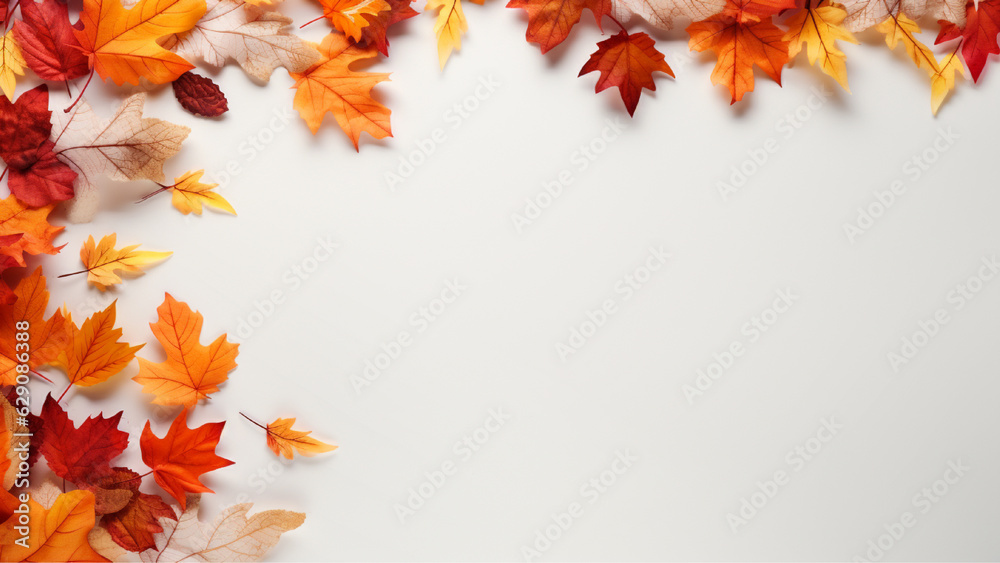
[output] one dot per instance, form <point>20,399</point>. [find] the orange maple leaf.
<point>192,371</point>
<point>33,226</point>
<point>550,21</point>
<point>351,17</point>
<point>627,61</point>
<point>46,337</point>
<point>122,44</point>
<point>94,352</point>
<point>182,455</point>
<point>741,38</point>
<point>58,533</point>
<point>285,440</point>
<point>331,86</point>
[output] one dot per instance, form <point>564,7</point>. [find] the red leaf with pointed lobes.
<point>979,37</point>
<point>133,526</point>
<point>37,177</point>
<point>47,180</point>
<point>199,95</point>
<point>627,61</point>
<point>47,41</point>
<point>78,454</point>
<point>550,21</point>
<point>182,455</point>
<point>375,33</point>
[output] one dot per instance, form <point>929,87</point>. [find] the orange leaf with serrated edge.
<point>58,533</point>
<point>550,21</point>
<point>284,440</point>
<point>192,371</point>
<point>182,455</point>
<point>33,226</point>
<point>627,61</point>
<point>331,86</point>
<point>46,337</point>
<point>351,17</point>
<point>122,44</point>
<point>94,353</point>
<point>103,261</point>
<point>739,45</point>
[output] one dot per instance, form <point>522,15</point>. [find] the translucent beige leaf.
<point>663,13</point>
<point>862,14</point>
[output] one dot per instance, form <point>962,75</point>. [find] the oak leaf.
<point>58,533</point>
<point>331,86</point>
<point>122,44</point>
<point>979,36</point>
<point>12,63</point>
<point>284,440</point>
<point>550,21</point>
<point>102,261</point>
<point>47,41</point>
<point>820,28</point>
<point>125,147</point>
<point>94,352</point>
<point>46,337</point>
<point>250,35</point>
<point>182,455</point>
<point>192,371</point>
<point>628,62</point>
<point>80,455</point>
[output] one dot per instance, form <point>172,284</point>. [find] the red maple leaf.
<point>182,455</point>
<point>37,177</point>
<point>47,41</point>
<point>81,454</point>
<point>375,33</point>
<point>550,21</point>
<point>979,37</point>
<point>627,61</point>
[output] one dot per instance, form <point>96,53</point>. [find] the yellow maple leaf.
<point>943,81</point>
<point>449,26</point>
<point>189,194</point>
<point>122,45</point>
<point>900,29</point>
<point>192,371</point>
<point>819,28</point>
<point>102,261</point>
<point>94,353</point>
<point>331,86</point>
<point>11,64</point>
<point>284,440</point>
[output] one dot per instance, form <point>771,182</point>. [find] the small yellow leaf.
<point>11,64</point>
<point>190,194</point>
<point>449,26</point>
<point>819,28</point>
<point>103,261</point>
<point>283,440</point>
<point>901,28</point>
<point>943,81</point>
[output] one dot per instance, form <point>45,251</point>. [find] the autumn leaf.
<point>350,17</point>
<point>122,44</point>
<point>13,438</point>
<point>199,95</point>
<point>133,525</point>
<point>284,440</point>
<point>189,194</point>
<point>58,533</point>
<point>628,62</point>
<point>102,262</point>
<point>94,353</point>
<point>739,45</point>
<point>82,454</point>
<point>234,535</point>
<point>979,36</point>
<point>550,21</point>
<point>663,13</point>
<point>47,41</point>
<point>331,86</point>
<point>192,371</point>
<point>252,36</point>
<point>901,29</point>
<point>448,27</point>
<point>182,455</point>
<point>820,28</point>
<point>943,80</point>
<point>125,147</point>
<point>376,32</point>
<point>46,337</point>
<point>29,227</point>
<point>11,63</point>
<point>863,14</point>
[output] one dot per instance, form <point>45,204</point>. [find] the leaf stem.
<point>255,422</point>
<point>149,195</point>
<point>80,96</point>
<point>59,400</point>
<point>73,273</point>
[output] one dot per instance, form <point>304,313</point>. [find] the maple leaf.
<point>234,535</point>
<point>47,41</point>
<point>350,17</point>
<point>199,95</point>
<point>12,63</point>
<point>627,61</point>
<point>663,13</point>
<point>122,44</point>
<point>79,455</point>
<point>943,80</point>
<point>125,147</point>
<point>979,36</point>
<point>248,34</point>
<point>376,32</point>
<point>738,47</point>
<point>132,526</point>
<point>37,177</point>
<point>182,455</point>
<point>448,27</point>
<point>102,261</point>
<point>94,353</point>
<point>550,21</point>
<point>192,371</point>
<point>26,230</point>
<point>862,14</point>
<point>331,86</point>
<point>12,433</point>
<point>189,194</point>
<point>285,440</point>
<point>58,533</point>
<point>819,28</point>
<point>46,337</point>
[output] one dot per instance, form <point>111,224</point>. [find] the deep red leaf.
<point>199,95</point>
<point>627,61</point>
<point>47,41</point>
<point>24,127</point>
<point>81,454</point>
<point>979,37</point>
<point>47,180</point>
<point>133,526</point>
<point>376,32</point>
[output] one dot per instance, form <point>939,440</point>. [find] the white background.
<point>495,346</point>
